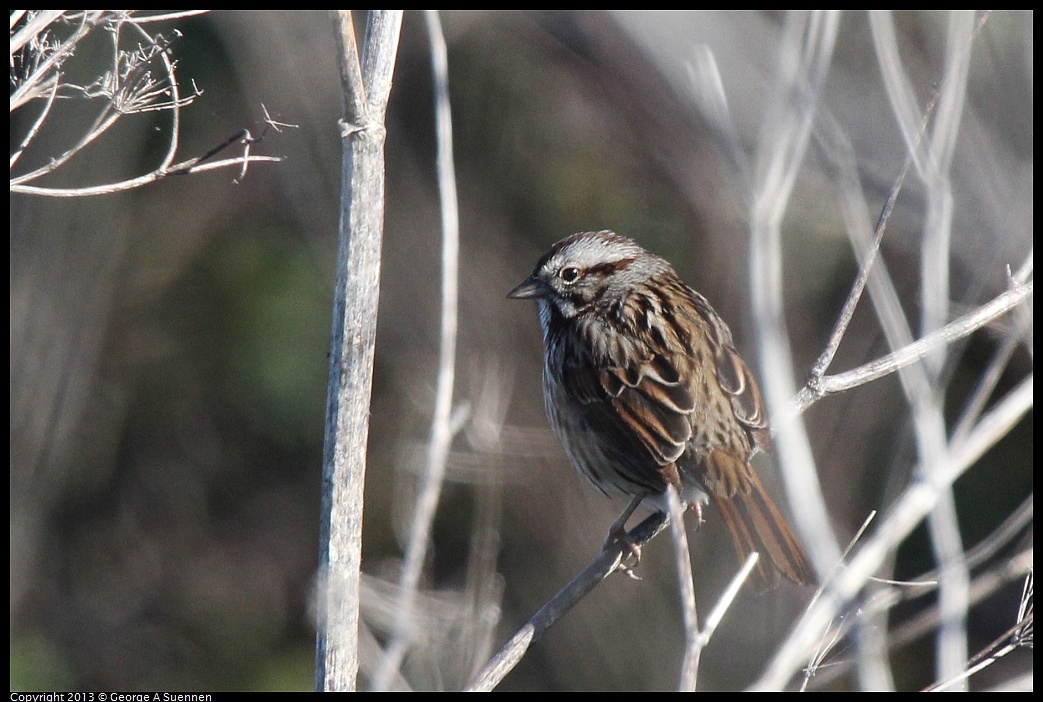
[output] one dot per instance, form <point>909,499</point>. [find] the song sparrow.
<point>644,388</point>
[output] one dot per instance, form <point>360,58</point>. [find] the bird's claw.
<point>630,551</point>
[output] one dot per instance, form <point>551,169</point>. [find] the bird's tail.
<point>756,525</point>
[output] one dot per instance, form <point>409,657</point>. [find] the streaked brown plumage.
<point>644,387</point>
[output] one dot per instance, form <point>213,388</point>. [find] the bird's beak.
<point>528,288</point>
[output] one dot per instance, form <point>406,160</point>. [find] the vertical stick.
<point>366,85</point>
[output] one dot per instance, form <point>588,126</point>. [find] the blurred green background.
<point>169,344</point>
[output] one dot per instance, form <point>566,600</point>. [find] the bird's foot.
<point>619,538</point>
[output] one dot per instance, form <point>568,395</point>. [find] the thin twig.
<point>866,261</point>
<point>441,432</point>
<point>907,355</point>
<point>139,181</point>
<point>727,598</point>
<point>35,128</point>
<point>835,631</point>
<point>686,592</point>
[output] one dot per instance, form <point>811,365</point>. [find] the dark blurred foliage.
<point>169,344</point>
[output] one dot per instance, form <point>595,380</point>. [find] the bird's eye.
<point>569,275</point>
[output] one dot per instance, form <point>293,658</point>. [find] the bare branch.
<point>907,355</point>
<point>142,79</point>
<point>605,564</point>
<point>351,356</point>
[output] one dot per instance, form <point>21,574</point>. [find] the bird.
<point>645,389</point>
